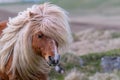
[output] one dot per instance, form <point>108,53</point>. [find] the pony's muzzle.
<point>54,60</point>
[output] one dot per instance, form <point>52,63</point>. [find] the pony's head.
<point>45,47</point>
<point>50,31</point>
<point>34,38</point>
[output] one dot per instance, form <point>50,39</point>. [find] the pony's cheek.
<point>37,50</point>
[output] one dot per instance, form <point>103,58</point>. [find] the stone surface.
<point>109,64</point>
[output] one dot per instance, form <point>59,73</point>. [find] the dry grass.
<point>105,76</point>
<point>91,40</point>
<point>76,75</point>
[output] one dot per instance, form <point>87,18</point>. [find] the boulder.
<point>109,64</point>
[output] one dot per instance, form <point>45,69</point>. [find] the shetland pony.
<point>31,41</point>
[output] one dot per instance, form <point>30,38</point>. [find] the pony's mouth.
<point>53,61</point>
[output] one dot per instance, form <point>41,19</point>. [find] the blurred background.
<point>94,53</point>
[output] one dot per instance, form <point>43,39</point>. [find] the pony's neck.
<point>16,77</point>
<point>3,24</point>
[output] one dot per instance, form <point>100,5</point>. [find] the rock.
<point>109,64</point>
<point>82,62</point>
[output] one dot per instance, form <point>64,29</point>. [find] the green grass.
<point>116,35</point>
<point>56,76</point>
<point>85,4</point>
<point>80,7</point>
<point>91,66</point>
<point>85,7</point>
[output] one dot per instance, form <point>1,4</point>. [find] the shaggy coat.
<point>17,58</point>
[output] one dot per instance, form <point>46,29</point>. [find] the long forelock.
<point>53,22</point>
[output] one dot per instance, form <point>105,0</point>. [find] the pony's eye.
<point>56,44</point>
<point>40,35</point>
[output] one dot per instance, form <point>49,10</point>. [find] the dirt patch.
<point>98,22</point>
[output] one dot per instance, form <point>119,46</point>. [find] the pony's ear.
<point>31,14</point>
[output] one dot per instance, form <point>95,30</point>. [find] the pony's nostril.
<point>50,58</point>
<point>53,61</point>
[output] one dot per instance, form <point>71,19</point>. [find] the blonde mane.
<point>16,39</point>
